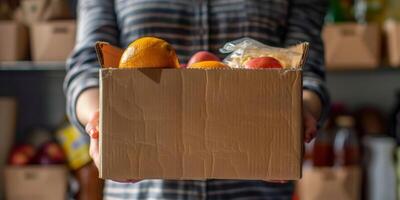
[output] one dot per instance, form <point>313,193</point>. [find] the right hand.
<point>92,128</point>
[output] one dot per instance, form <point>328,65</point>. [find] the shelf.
<point>32,66</point>
<point>365,71</point>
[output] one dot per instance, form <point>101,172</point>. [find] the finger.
<point>310,127</point>
<point>94,151</point>
<point>92,131</point>
<point>92,127</point>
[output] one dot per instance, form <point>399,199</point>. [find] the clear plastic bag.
<point>245,49</point>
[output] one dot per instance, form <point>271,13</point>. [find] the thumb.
<point>92,127</point>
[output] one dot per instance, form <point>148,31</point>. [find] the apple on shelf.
<point>21,154</point>
<point>50,153</point>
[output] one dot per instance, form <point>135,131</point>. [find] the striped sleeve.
<point>96,21</point>
<point>305,22</point>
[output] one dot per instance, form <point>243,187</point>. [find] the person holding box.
<point>192,26</point>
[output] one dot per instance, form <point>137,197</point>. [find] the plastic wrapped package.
<point>245,49</point>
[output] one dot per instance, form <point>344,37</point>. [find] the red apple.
<point>50,153</point>
<point>202,56</point>
<point>263,62</point>
<point>21,155</point>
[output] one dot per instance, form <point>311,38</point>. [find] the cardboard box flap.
<point>302,50</point>
<point>108,55</point>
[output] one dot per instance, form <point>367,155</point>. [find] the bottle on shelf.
<point>346,142</point>
<point>380,168</point>
<point>395,133</point>
<point>323,153</point>
<point>370,121</point>
<point>395,120</point>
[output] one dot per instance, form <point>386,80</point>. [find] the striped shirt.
<point>191,26</point>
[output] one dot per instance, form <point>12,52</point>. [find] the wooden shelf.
<point>32,66</point>
<point>365,71</point>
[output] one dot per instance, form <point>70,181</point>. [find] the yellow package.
<point>75,145</point>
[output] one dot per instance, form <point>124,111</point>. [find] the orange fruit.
<point>208,65</point>
<point>149,52</point>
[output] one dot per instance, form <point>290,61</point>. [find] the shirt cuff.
<point>318,86</point>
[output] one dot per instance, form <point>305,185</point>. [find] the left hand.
<point>310,125</point>
<point>312,107</point>
<point>310,130</point>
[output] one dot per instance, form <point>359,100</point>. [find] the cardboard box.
<point>8,118</point>
<point>36,183</point>
<point>352,46</point>
<point>330,184</point>
<point>199,124</point>
<point>52,41</point>
<point>14,41</point>
<point>392,33</point>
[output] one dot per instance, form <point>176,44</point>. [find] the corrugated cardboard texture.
<point>14,41</point>
<point>52,41</point>
<point>36,183</point>
<point>331,184</point>
<point>200,124</point>
<point>352,46</point>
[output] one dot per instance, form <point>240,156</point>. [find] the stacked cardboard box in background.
<point>53,40</point>
<point>352,46</point>
<point>392,32</point>
<point>328,183</point>
<point>14,41</point>
<point>51,32</point>
<point>36,182</point>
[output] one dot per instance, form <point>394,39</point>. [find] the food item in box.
<point>208,65</point>
<point>202,56</point>
<point>149,52</point>
<point>263,62</point>
<point>244,50</point>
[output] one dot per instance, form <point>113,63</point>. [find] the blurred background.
<point>355,155</point>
